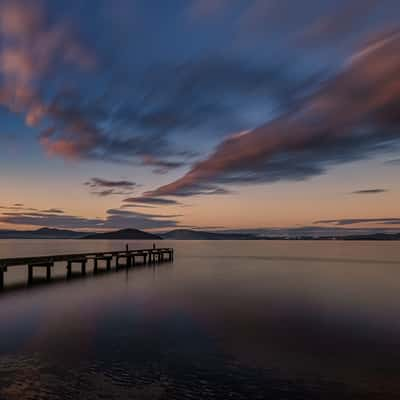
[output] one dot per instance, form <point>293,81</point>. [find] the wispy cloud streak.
<point>353,116</point>
<point>114,219</point>
<point>143,200</point>
<point>370,191</point>
<point>104,187</point>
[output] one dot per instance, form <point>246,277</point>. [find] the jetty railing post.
<point>2,270</point>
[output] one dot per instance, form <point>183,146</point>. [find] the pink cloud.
<point>30,50</point>
<point>355,113</point>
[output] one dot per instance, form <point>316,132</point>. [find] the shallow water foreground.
<point>226,320</point>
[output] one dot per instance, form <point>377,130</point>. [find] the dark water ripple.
<point>29,378</point>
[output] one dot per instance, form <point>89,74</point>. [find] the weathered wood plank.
<point>10,262</point>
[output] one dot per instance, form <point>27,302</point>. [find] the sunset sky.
<point>256,115</point>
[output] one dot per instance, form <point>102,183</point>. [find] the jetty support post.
<point>98,258</point>
<point>128,261</point>
<point>69,269</point>
<point>30,274</point>
<point>82,261</point>
<point>48,265</point>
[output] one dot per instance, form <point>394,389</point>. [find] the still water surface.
<point>226,320</point>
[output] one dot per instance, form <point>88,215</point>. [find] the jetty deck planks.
<point>147,256</point>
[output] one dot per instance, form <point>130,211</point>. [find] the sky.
<point>261,116</point>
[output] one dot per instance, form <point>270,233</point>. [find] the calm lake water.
<point>226,320</point>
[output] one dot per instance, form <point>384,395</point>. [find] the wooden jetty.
<point>131,258</point>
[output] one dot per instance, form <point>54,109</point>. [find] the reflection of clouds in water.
<point>323,320</point>
<point>211,325</point>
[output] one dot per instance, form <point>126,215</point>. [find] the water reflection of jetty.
<point>100,260</point>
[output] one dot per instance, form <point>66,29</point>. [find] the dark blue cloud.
<point>162,84</point>
<point>102,96</point>
<point>105,187</point>
<point>143,200</point>
<point>370,191</point>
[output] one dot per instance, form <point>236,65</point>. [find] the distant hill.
<point>373,236</point>
<point>124,234</point>
<point>177,234</point>
<point>42,233</point>
<point>188,234</point>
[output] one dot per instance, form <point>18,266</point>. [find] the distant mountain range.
<point>188,234</point>
<point>124,234</point>
<point>43,233</point>
<point>177,234</point>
